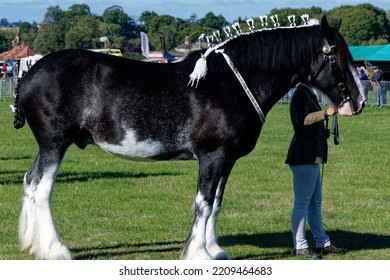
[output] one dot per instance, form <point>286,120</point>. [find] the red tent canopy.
<point>17,53</point>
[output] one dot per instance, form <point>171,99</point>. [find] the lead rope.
<point>335,130</point>
<point>336,138</point>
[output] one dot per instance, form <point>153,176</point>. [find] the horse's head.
<point>334,74</point>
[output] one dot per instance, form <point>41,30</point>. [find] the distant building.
<point>188,47</point>
<point>3,22</point>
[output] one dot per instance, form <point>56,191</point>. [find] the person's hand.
<point>332,110</point>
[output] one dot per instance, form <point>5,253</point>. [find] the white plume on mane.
<point>200,69</point>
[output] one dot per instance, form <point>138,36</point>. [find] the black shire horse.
<point>140,110</point>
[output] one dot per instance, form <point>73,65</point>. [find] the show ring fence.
<point>7,89</point>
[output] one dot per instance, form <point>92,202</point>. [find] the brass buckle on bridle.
<point>343,89</point>
<point>330,57</point>
<point>342,86</point>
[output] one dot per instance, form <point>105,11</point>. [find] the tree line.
<point>77,27</point>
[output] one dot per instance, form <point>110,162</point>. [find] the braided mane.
<point>276,49</point>
<point>269,50</point>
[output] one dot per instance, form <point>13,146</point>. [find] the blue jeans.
<point>381,91</point>
<point>307,205</point>
<point>366,84</point>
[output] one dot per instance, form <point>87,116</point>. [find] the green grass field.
<point>105,207</point>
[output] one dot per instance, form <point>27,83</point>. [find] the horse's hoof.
<point>56,252</point>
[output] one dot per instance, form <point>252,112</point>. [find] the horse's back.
<point>129,108</point>
<point>56,74</point>
<point>82,72</point>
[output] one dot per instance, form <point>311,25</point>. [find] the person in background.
<point>4,69</point>
<point>378,82</point>
<point>15,70</point>
<point>363,75</point>
<point>308,149</point>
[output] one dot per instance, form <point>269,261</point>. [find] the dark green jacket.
<point>309,141</point>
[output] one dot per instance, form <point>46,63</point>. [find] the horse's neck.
<point>270,88</point>
<point>268,84</point>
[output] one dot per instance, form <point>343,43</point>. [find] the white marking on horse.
<point>196,250</point>
<point>36,227</point>
<point>211,232</point>
<point>346,109</point>
<point>131,148</point>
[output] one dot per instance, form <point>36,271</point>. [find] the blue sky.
<point>34,10</point>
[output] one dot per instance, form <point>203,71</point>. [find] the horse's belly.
<point>143,150</point>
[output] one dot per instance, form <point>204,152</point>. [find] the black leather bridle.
<point>330,57</point>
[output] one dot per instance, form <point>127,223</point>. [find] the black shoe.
<point>331,250</point>
<point>307,253</point>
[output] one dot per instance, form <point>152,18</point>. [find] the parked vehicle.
<point>115,52</point>
<point>9,67</point>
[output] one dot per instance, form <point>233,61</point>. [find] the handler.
<point>308,149</point>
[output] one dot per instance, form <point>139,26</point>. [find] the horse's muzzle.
<point>347,108</point>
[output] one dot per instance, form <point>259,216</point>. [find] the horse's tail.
<point>19,119</point>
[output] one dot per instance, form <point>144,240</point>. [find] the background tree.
<point>145,19</point>
<point>77,27</point>
<point>362,24</point>
<point>27,33</point>
<point>51,35</point>
<point>112,32</point>
<point>193,19</point>
<point>76,12</point>
<point>116,15</point>
<point>6,38</point>
<point>84,34</point>
<point>314,13</point>
<point>212,21</point>
<point>163,26</point>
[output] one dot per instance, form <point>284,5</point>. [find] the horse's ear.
<point>338,25</point>
<point>326,29</point>
<point>324,24</point>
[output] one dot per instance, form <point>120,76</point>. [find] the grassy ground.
<point>105,207</point>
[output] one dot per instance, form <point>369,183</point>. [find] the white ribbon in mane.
<point>200,69</point>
